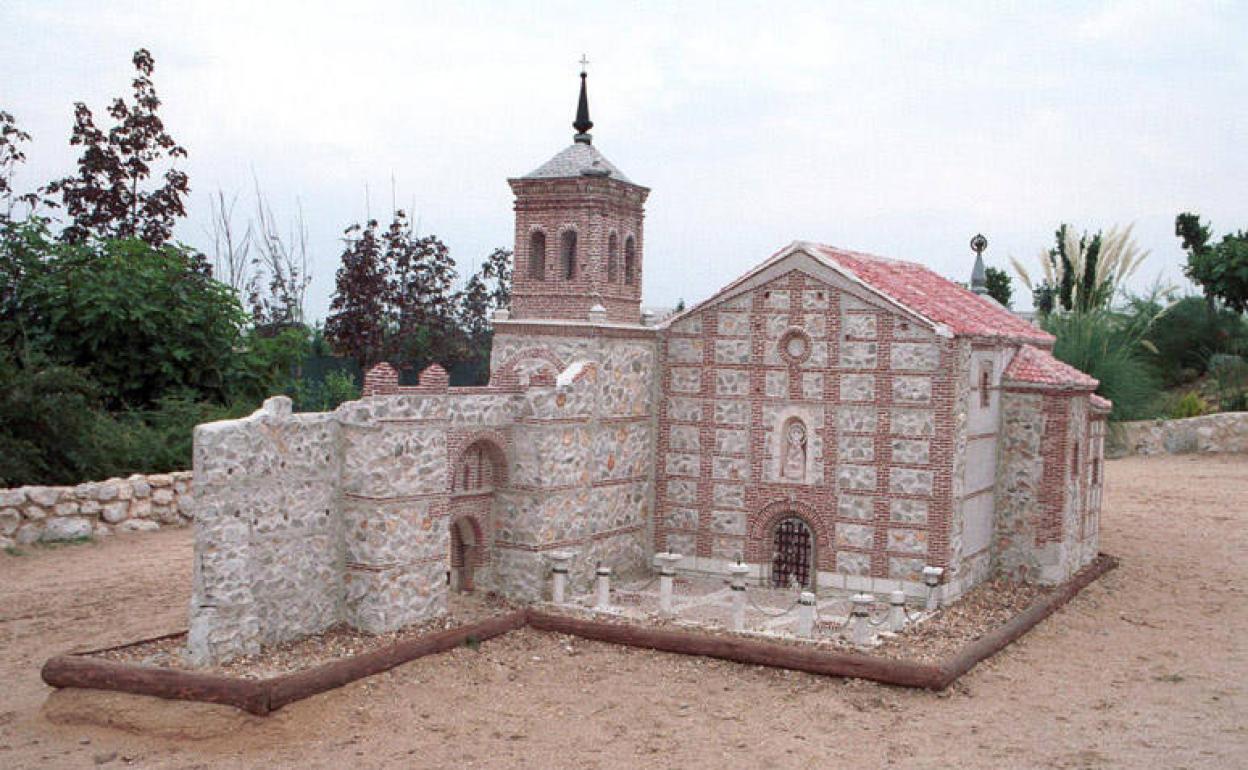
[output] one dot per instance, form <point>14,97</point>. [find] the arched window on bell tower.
<point>568,255</point>
<point>613,258</point>
<point>630,261</point>
<point>537,256</point>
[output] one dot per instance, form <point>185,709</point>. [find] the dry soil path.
<point>1147,668</point>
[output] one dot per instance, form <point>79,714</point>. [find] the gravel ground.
<point>1145,668</point>
<point>336,643</point>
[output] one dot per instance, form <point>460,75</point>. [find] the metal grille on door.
<point>793,554</point>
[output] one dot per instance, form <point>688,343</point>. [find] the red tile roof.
<point>1101,403</point>
<point>933,296</point>
<point>1038,367</point>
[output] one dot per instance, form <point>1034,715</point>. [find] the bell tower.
<point>578,235</point>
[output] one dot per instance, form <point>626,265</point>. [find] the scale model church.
<point>831,418</point>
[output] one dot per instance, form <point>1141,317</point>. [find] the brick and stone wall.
<point>357,516</point>
<point>583,468</point>
<point>873,389</point>
<point>1223,432</point>
<point>139,503</point>
<point>1049,484</point>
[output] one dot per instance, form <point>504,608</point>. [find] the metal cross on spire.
<point>583,123</point>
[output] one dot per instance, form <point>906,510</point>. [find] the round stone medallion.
<point>795,346</point>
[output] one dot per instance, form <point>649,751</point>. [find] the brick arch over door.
<point>762,525</point>
<point>495,445</point>
<point>512,363</point>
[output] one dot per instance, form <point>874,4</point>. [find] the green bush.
<point>1230,375</point>
<point>1112,348</point>
<point>1187,334</point>
<point>324,395</point>
<point>1188,405</point>
<point>141,322</point>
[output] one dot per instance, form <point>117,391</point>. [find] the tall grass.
<point>1114,350</point>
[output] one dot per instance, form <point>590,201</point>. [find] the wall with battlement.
<point>357,516</point>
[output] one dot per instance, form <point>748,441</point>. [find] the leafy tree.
<point>140,321</point>
<point>999,285</point>
<point>423,297</point>
<point>11,155</point>
<point>1220,268</point>
<point>109,197</point>
<point>47,422</point>
<point>1081,273</point>
<point>487,290</point>
<point>360,313</point>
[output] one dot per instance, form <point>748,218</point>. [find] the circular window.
<point>795,346</point>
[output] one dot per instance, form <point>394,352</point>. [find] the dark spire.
<point>583,123</point>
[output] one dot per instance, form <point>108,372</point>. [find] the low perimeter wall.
<point>1222,432</point>
<point>94,509</point>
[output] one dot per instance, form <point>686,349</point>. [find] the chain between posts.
<point>769,614</point>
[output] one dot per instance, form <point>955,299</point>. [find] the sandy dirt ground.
<point>1147,668</point>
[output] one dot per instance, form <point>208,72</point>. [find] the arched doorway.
<point>465,553</point>
<point>793,553</point>
<point>476,472</point>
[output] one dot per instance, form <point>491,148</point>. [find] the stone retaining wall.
<point>1223,432</point>
<point>94,509</point>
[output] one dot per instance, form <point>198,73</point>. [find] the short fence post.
<point>739,571</point>
<point>604,588</point>
<point>860,618</point>
<point>931,578</point>
<point>560,561</point>
<point>806,615</point>
<point>896,611</point>
<point>667,573</point>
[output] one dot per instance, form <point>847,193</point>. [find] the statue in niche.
<point>793,453</point>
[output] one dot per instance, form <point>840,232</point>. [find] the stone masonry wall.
<point>1048,485</point>
<point>582,471</point>
<point>268,547</point>
<point>139,503</point>
<point>1224,432</point>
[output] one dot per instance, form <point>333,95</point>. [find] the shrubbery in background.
<point>1114,349</point>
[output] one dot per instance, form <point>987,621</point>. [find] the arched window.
<point>568,249</point>
<point>630,261</point>
<point>537,256</point>
<point>613,258</point>
<point>985,386</point>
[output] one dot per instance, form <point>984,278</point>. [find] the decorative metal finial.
<point>979,243</point>
<point>582,124</point>
<point>979,276</point>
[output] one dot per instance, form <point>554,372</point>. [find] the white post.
<point>931,578</point>
<point>667,573</point>
<point>739,571</point>
<point>806,615</point>
<point>560,561</point>
<point>896,611</point>
<point>860,618</point>
<point>604,588</point>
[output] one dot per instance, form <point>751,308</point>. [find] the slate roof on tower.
<point>579,159</point>
<point>908,286</point>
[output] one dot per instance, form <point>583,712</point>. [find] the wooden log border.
<point>262,696</point>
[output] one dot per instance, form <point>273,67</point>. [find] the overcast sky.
<point>897,129</point>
